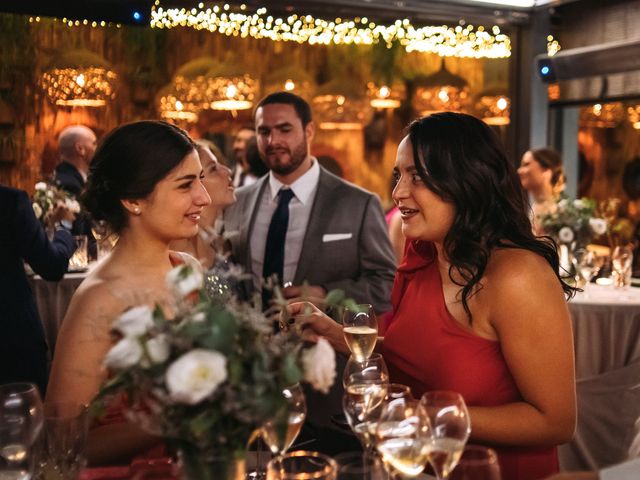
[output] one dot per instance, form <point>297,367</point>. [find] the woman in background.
<point>145,181</point>
<point>218,183</point>
<point>467,297</point>
<point>542,176</point>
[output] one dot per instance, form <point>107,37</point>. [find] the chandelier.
<point>79,78</point>
<point>602,115</point>
<point>172,106</point>
<point>493,105</point>
<point>340,106</point>
<point>385,96</point>
<point>441,91</point>
<point>290,79</point>
<point>633,112</point>
<point>230,87</point>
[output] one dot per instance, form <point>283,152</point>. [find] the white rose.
<point>158,348</point>
<point>562,204</point>
<point>195,375</point>
<point>185,279</point>
<point>565,235</point>
<point>41,186</point>
<point>50,193</point>
<point>319,365</point>
<point>578,203</point>
<point>124,354</point>
<point>37,210</point>
<point>598,225</point>
<point>135,322</point>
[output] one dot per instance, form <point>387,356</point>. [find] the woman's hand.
<point>314,324</point>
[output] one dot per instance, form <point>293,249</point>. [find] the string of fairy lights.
<point>459,41</point>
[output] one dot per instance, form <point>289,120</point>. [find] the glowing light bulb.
<point>384,92</point>
<point>80,80</point>
<point>179,105</point>
<point>502,103</point>
<point>231,91</point>
<point>289,85</point>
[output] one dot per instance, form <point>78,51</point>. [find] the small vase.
<point>199,465</point>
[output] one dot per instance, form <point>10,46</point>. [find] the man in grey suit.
<point>302,223</point>
<point>336,235</point>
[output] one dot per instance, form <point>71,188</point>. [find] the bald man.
<point>76,145</point>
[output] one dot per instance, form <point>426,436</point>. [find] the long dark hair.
<point>460,159</point>
<point>128,164</point>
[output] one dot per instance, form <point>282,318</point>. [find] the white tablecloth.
<point>606,324</point>
<point>52,300</point>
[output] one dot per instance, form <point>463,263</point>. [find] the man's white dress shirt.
<point>304,190</point>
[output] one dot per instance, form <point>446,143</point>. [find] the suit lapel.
<point>315,228</point>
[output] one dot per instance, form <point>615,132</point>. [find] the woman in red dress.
<point>478,305</point>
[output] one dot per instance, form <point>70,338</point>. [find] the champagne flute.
<point>404,437</point>
<point>449,419</point>
<point>477,463</point>
<point>360,328</point>
<point>21,419</point>
<point>621,260</point>
<point>375,365</point>
<point>280,432</point>
<point>364,393</point>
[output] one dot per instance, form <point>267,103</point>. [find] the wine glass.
<point>375,364</point>
<point>477,463</point>
<point>587,264</point>
<point>451,426</point>
<point>364,393</point>
<point>302,465</point>
<point>621,260</point>
<point>404,437</point>
<point>21,419</point>
<point>360,328</point>
<point>280,432</point>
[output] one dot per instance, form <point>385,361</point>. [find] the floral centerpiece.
<point>45,200</point>
<point>573,222</point>
<point>206,376</point>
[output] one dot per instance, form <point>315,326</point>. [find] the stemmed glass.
<point>588,264</point>
<point>477,463</point>
<point>21,419</point>
<point>365,391</point>
<point>451,426</point>
<point>404,437</point>
<point>621,260</point>
<point>360,328</point>
<point>280,432</point>
<point>374,365</point>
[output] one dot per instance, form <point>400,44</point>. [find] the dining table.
<point>606,331</point>
<point>52,300</point>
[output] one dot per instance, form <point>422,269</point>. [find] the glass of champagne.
<point>374,365</point>
<point>363,394</point>
<point>21,419</point>
<point>621,260</point>
<point>477,463</point>
<point>301,465</point>
<point>280,432</point>
<point>360,328</point>
<point>404,437</point>
<point>451,426</point>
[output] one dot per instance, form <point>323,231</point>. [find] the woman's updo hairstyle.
<point>128,164</point>
<point>550,159</point>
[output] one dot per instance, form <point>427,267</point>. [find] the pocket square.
<point>332,237</point>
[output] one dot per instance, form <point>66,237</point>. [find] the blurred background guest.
<point>257,167</point>
<point>217,181</point>
<point>144,182</point>
<point>23,350</point>
<point>242,174</point>
<point>76,145</point>
<point>542,176</point>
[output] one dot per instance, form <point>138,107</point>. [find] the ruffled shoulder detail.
<point>417,255</point>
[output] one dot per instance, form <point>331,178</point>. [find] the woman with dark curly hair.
<point>478,306</point>
<point>145,182</point>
